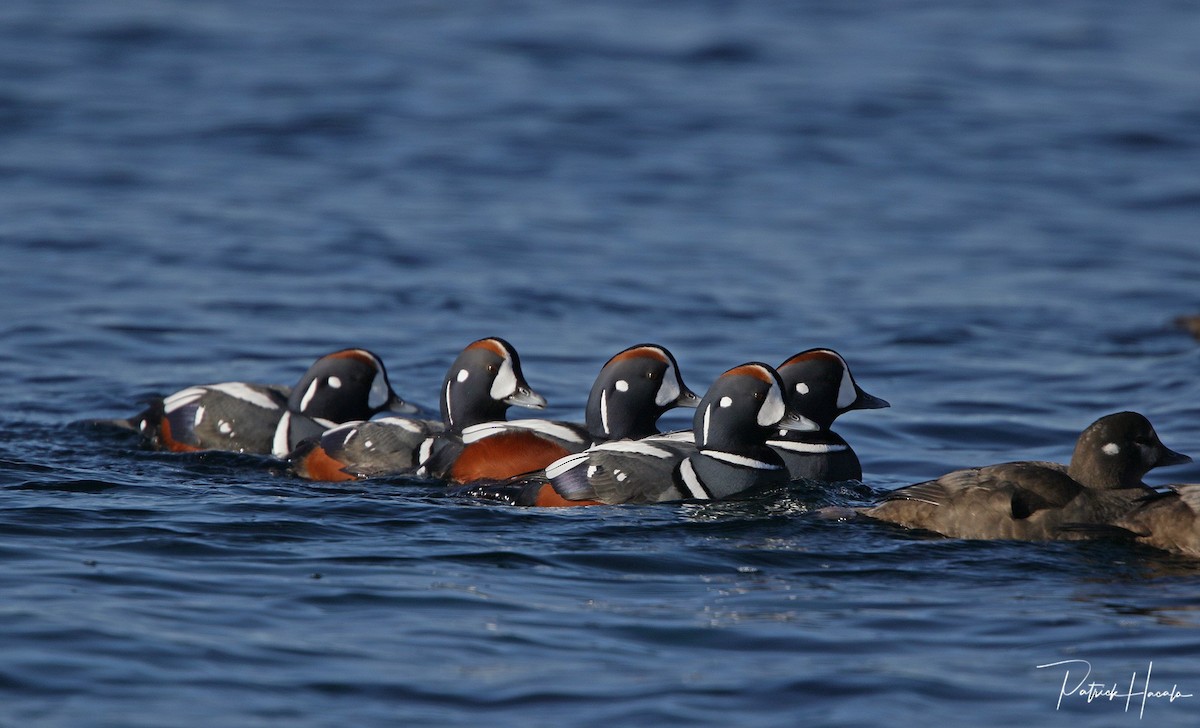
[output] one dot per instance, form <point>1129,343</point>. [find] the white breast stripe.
<point>806,447</point>
<point>634,447</point>
<point>474,433</point>
<point>694,486</point>
<point>246,394</point>
<point>183,397</point>
<point>279,446</point>
<point>423,454</point>
<point>742,460</point>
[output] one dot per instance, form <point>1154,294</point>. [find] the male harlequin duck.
<point>264,419</point>
<point>478,442</point>
<point>819,386</point>
<point>1036,501</point>
<point>633,389</point>
<point>742,408</point>
<point>1168,521</point>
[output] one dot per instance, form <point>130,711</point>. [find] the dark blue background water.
<point>990,209</point>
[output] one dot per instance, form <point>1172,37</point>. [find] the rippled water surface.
<point>989,209</point>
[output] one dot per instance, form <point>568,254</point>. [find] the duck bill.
<point>1167,456</point>
<point>526,397</point>
<point>797,422</point>
<point>869,401</point>
<point>687,398</point>
<point>395,404</point>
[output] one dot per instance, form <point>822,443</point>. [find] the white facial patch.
<point>462,375</point>
<point>726,402</point>
<point>334,382</point>
<point>380,392</point>
<point>308,396</point>
<point>772,409</point>
<point>1111,448</point>
<point>801,387</point>
<point>621,385</point>
<point>669,391</point>
<point>846,392</point>
<point>505,383</point>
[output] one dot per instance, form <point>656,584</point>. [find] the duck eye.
<point>492,368</point>
<point>758,396</point>
<point>651,375</point>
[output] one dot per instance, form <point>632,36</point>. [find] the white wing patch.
<point>184,397</point>
<point>742,460</point>
<point>565,464</point>
<point>246,393</point>
<point>633,447</point>
<point>474,433</point>
<point>814,448</point>
<point>401,422</point>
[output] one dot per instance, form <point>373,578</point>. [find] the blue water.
<point>989,208</point>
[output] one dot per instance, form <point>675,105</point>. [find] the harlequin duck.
<point>478,443</point>
<point>742,408</point>
<point>634,388</point>
<point>1168,521</point>
<point>1036,501</point>
<point>819,386</point>
<point>260,418</point>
